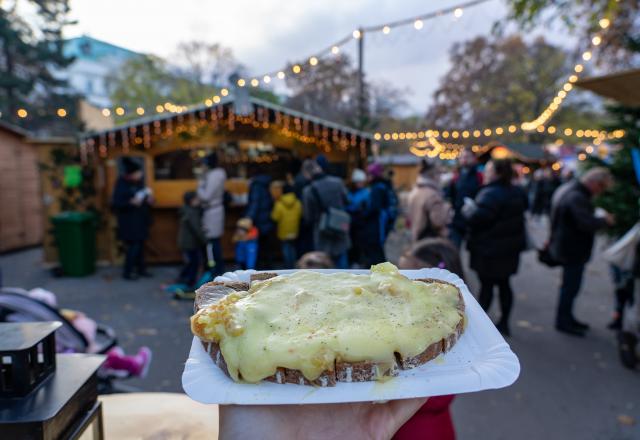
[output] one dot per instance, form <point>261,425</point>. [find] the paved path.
<point>569,388</point>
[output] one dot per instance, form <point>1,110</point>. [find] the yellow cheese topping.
<point>307,320</point>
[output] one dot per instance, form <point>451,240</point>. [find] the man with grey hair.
<point>573,227</point>
<point>322,193</point>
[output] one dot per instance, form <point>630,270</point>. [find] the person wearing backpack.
<point>428,212</point>
<point>324,204</point>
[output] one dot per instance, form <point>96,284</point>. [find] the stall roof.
<point>226,101</point>
<point>623,87</point>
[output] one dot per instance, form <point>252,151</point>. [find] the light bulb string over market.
<point>537,124</point>
<point>296,68</point>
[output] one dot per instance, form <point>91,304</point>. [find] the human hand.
<point>362,420</point>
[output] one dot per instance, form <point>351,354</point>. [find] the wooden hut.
<point>245,132</point>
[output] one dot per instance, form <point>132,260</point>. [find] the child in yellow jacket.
<point>287,213</point>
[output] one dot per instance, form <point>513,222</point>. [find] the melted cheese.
<point>307,320</point>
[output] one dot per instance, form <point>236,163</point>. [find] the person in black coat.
<point>131,202</point>
<point>466,183</point>
<point>497,235</point>
<point>259,208</point>
<point>573,228</point>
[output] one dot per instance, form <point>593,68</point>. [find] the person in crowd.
<point>624,283</point>
<point>315,260</point>
<point>132,201</point>
<point>384,203</point>
<point>466,183</point>
<point>497,235</point>
<point>211,195</point>
<point>429,213</point>
<point>365,223</point>
<point>246,240</point>
<point>433,419</point>
<point>323,193</point>
<point>304,243</point>
<point>259,208</point>
<point>287,213</point>
<point>322,160</point>
<point>191,239</point>
<point>573,227</point>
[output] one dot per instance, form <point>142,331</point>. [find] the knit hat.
<point>358,176</point>
<point>245,223</point>
<point>375,169</point>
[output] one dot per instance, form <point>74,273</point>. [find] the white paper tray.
<point>480,360</point>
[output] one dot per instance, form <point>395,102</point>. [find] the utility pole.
<point>361,100</point>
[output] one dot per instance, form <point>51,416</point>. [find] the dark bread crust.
<point>343,371</point>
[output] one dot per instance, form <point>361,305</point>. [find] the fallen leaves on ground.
<point>626,420</point>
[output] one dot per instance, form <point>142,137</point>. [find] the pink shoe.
<point>143,360</point>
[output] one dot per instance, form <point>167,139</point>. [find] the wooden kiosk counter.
<point>248,135</point>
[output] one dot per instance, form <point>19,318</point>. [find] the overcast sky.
<point>264,35</point>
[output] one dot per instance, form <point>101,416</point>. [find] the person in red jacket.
<point>433,419</point>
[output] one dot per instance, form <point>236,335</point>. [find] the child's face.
<point>195,202</point>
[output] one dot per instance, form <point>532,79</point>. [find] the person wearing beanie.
<point>131,201</point>
<point>210,192</point>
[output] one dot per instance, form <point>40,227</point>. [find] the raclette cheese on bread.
<point>319,328</point>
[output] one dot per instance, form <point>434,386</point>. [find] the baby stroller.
<point>17,306</point>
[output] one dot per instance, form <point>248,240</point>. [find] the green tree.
<point>30,55</point>
<point>582,18</point>
<point>499,82</point>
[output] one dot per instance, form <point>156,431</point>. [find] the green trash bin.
<point>75,234</point>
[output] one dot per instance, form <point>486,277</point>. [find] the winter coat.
<point>287,213</point>
<point>190,233</point>
<point>429,213</point>
<point>497,233</point>
<point>211,194</point>
<point>573,224</point>
<point>260,203</point>
<point>322,193</point>
<point>133,221</point>
<point>466,183</point>
<point>365,218</point>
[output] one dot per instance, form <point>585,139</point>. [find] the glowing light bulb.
<point>266,79</point>
<point>335,50</point>
<point>313,61</point>
<point>357,34</point>
<point>61,112</point>
<point>499,130</point>
<point>255,82</point>
<point>567,87</point>
<point>568,132</point>
<point>106,112</point>
<point>586,56</point>
<point>216,99</point>
<point>604,23</point>
<point>386,30</point>
<point>562,94</point>
<point>551,129</point>
<point>476,133</point>
<point>208,102</point>
<point>140,111</point>
<point>296,69</point>
<point>487,132</point>
<point>578,68</point>
<point>512,128</point>
<point>465,134</point>
<point>119,111</point>
<point>573,78</point>
<point>224,92</point>
<point>418,24</point>
<point>377,136</point>
<point>241,82</point>
<point>596,40</point>
<point>458,12</point>
<point>281,75</point>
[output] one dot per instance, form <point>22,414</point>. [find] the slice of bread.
<point>343,371</point>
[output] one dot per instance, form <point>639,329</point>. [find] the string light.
<point>604,23</point>
<point>208,102</point>
<point>140,111</point>
<point>418,24</point>
<point>224,92</point>
<point>255,82</point>
<point>106,112</point>
<point>296,69</point>
<point>596,40</point>
<point>61,113</point>
<point>22,113</point>
<point>159,109</point>
<point>356,34</point>
<point>313,61</point>
<point>266,79</point>
<point>386,30</point>
<point>119,111</point>
<point>241,82</point>
<point>458,12</point>
<point>578,68</point>
<point>586,56</point>
<point>281,75</point>
<point>216,99</point>
<point>335,50</point>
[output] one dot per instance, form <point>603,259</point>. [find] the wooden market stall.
<point>247,134</point>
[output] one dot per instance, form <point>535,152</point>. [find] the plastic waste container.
<point>75,234</point>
